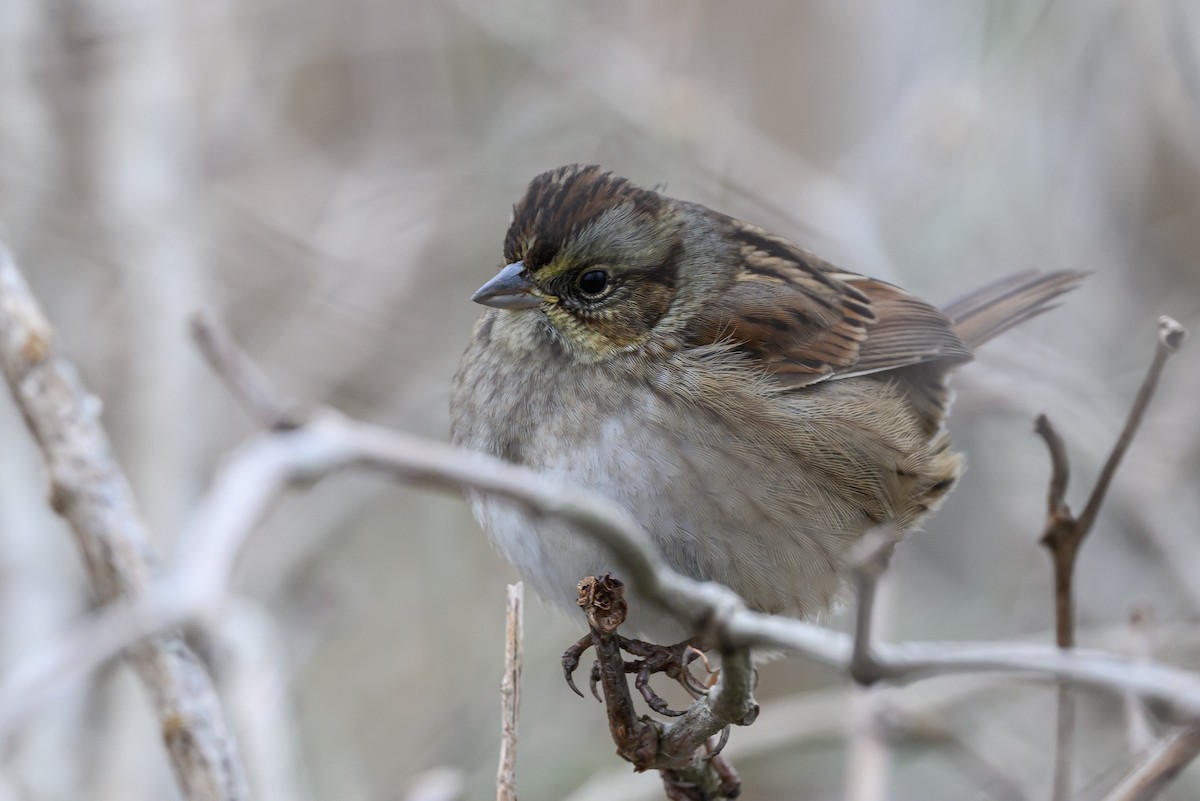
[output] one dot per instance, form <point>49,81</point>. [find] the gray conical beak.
<point>510,289</point>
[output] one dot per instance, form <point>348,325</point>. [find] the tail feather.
<point>993,309</point>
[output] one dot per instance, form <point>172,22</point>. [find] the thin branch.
<point>868,562</point>
<point>330,442</point>
<point>255,476</point>
<point>247,649</point>
<point>992,781</point>
<point>90,491</point>
<point>439,784</point>
<point>510,692</point>
<point>1064,743</point>
<point>1170,336</point>
<point>1063,537</point>
<point>1164,763</point>
<point>1138,730</point>
<point>1060,469</point>
<point>1064,534</point>
<point>868,753</point>
<point>243,377</point>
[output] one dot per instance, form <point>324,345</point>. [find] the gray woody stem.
<point>325,442</point>
<point>510,692</point>
<point>1163,764</point>
<point>257,474</point>
<point>88,488</point>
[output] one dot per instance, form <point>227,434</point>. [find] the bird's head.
<point>600,258</point>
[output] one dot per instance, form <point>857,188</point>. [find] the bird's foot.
<point>673,660</point>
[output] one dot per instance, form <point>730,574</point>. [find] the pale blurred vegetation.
<point>335,176</point>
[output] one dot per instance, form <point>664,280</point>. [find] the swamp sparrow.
<point>754,408</point>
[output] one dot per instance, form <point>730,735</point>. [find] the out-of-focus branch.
<point>255,476</point>
<point>249,655</point>
<point>89,490</point>
<point>244,378</point>
<point>439,784</point>
<point>869,561</point>
<point>510,692</point>
<point>1158,764</point>
<point>1138,730</point>
<point>993,782</point>
<point>1064,533</point>
<point>331,442</point>
<point>867,751</point>
<point>811,194</point>
<point>1163,764</point>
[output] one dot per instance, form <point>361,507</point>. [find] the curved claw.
<point>594,680</point>
<point>674,660</point>
<point>691,683</point>
<point>720,746</point>
<point>570,661</point>
<point>653,700</point>
<point>683,674</point>
<point>571,680</point>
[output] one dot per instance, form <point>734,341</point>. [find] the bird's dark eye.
<point>593,282</point>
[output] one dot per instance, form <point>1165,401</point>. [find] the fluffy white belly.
<point>552,556</point>
<point>704,506</point>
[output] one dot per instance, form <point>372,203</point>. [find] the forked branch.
<point>1064,533</point>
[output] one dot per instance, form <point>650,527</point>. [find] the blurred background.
<point>334,178</point>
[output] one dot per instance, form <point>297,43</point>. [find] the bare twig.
<point>867,751</point>
<point>248,652</point>
<point>1170,336</point>
<point>1158,763</point>
<point>244,378</point>
<point>1063,537</point>
<point>510,692</point>
<point>329,442</point>
<point>439,784</point>
<point>867,755</point>
<point>1138,730</point>
<point>1064,534</point>
<point>1148,779</point>
<point>258,473</point>
<point>1064,743</point>
<point>992,781</point>
<point>868,563</point>
<point>90,491</point>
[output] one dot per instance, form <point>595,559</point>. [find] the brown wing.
<point>806,321</point>
<point>907,330</point>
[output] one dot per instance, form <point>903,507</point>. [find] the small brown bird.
<point>753,407</point>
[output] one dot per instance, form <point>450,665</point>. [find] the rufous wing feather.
<point>806,321</point>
